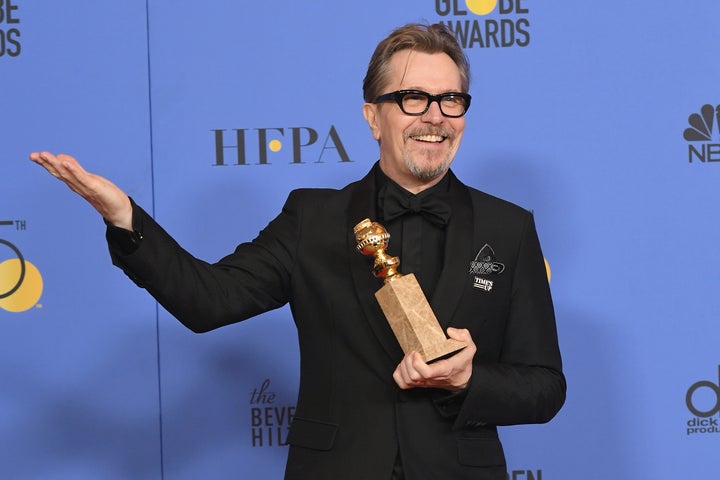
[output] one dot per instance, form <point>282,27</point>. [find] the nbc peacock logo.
<point>21,283</point>
<point>702,134</point>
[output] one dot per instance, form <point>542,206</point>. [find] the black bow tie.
<point>433,208</point>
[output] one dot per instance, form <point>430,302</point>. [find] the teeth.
<point>429,138</point>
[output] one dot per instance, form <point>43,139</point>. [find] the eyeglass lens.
<point>417,103</point>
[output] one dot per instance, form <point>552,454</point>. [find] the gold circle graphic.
<point>547,269</point>
<point>29,292</point>
<point>481,7</point>
<point>275,145</point>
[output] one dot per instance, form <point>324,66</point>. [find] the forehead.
<point>432,72</point>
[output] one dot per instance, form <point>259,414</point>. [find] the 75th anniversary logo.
<point>21,284</point>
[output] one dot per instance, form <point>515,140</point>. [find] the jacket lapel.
<point>458,245</point>
<point>363,199</point>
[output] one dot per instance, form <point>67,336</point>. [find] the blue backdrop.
<point>601,117</point>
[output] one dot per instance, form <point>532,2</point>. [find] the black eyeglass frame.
<point>398,96</point>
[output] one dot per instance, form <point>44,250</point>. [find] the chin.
<point>429,170</point>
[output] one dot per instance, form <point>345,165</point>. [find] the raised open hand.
<point>111,202</point>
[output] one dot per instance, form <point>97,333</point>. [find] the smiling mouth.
<point>429,138</point>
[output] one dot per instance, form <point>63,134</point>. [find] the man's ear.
<point>370,112</point>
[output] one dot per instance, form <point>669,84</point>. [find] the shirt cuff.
<point>126,241</point>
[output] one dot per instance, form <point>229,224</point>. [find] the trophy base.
<point>413,321</point>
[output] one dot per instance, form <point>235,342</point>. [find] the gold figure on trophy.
<point>402,300</point>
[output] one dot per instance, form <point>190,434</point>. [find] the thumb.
<point>462,334</point>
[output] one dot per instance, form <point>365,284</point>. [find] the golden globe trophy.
<point>402,300</point>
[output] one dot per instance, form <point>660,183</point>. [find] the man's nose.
<point>433,114</point>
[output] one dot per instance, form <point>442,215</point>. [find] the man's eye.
<point>414,97</point>
<point>453,99</point>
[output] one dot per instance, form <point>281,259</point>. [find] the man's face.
<point>416,151</point>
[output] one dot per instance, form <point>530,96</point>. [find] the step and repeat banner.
<point>600,117</point>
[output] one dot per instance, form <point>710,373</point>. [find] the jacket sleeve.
<point>253,279</point>
<point>526,383</point>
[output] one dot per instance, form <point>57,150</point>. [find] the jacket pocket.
<point>314,434</point>
<point>480,452</point>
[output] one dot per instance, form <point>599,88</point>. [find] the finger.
<point>463,335</point>
<point>40,156</point>
<point>67,169</point>
<point>406,375</point>
<point>420,369</point>
<point>74,175</point>
<point>60,166</point>
<point>400,378</point>
<point>44,159</point>
<point>438,372</point>
<point>68,162</point>
<point>48,158</point>
<point>406,370</point>
<point>443,371</point>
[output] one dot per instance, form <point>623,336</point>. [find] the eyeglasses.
<point>417,102</point>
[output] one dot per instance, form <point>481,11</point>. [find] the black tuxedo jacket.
<point>351,418</point>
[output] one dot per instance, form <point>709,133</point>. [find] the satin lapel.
<point>458,246</point>
<point>362,206</point>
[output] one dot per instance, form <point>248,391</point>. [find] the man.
<point>365,411</point>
